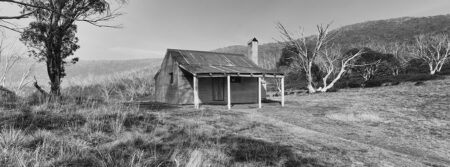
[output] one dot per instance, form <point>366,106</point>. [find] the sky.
<point>152,26</point>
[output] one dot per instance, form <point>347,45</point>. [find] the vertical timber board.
<point>259,92</point>
<point>282,91</point>
<point>228,92</point>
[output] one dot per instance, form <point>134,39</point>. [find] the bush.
<point>7,97</point>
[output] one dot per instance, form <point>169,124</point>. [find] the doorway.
<point>218,89</point>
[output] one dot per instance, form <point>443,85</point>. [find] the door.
<point>218,89</point>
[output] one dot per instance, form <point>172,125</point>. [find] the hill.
<point>390,30</point>
<point>82,69</point>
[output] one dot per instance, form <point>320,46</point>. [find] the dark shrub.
<point>414,77</point>
<point>7,97</point>
<point>417,66</point>
<point>35,98</point>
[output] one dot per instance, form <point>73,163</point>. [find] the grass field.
<point>404,125</point>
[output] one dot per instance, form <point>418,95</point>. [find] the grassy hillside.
<point>84,69</point>
<point>390,30</point>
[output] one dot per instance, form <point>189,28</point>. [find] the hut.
<point>202,77</point>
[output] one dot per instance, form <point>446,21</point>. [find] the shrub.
<point>7,97</point>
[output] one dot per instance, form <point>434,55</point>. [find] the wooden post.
<point>229,92</point>
<point>259,92</point>
<point>196,100</point>
<point>282,91</point>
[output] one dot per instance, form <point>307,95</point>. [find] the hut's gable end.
<point>166,81</point>
<point>185,85</point>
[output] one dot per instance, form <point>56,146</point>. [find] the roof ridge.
<point>234,54</point>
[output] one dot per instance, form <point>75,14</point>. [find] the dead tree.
<point>9,58</point>
<point>433,50</point>
<point>335,63</point>
<point>305,54</point>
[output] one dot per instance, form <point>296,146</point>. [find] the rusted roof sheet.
<point>197,62</point>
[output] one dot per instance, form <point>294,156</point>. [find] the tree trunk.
<point>53,68</point>
<point>432,70</point>
<point>310,79</point>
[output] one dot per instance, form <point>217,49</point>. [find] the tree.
<point>9,58</point>
<point>305,51</point>
<point>51,36</point>
<point>433,50</point>
<point>335,63</point>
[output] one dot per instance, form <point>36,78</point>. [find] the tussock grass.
<point>125,86</point>
<point>91,126</point>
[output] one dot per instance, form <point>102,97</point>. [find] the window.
<point>171,77</point>
<point>235,79</point>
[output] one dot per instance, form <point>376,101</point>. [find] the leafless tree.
<point>334,63</point>
<point>7,61</point>
<point>433,50</point>
<point>9,58</point>
<point>305,54</point>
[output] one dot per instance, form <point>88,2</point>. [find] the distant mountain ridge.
<point>402,29</point>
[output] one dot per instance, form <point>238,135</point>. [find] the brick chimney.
<point>252,50</point>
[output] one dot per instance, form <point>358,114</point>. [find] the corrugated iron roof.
<point>197,62</point>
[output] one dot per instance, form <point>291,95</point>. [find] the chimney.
<point>252,48</point>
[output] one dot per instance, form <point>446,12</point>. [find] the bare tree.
<point>305,54</point>
<point>9,58</point>
<point>433,50</point>
<point>335,63</point>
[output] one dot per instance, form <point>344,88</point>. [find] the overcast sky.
<point>152,26</point>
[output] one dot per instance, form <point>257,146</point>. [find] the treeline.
<point>380,64</point>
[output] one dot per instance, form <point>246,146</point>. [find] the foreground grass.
<point>403,125</point>
<point>127,135</point>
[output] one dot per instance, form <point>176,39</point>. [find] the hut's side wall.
<point>165,91</point>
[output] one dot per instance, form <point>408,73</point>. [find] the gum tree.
<point>304,53</point>
<point>433,50</point>
<point>51,35</point>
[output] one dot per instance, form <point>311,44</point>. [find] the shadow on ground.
<point>244,149</point>
<point>156,106</point>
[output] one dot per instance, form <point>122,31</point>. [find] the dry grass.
<point>410,123</point>
<point>403,125</point>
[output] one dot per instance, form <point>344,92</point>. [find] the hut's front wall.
<point>244,92</point>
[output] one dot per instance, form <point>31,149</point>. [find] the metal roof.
<point>202,62</point>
